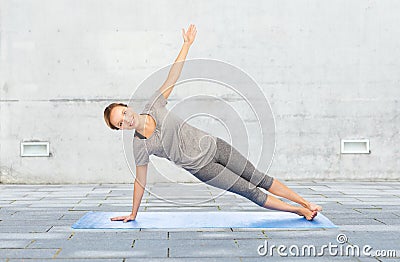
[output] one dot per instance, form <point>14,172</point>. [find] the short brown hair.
<point>107,113</point>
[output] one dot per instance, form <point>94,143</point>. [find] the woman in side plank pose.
<point>211,159</point>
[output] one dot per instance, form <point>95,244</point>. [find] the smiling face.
<point>124,118</point>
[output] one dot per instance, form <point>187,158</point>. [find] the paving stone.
<point>370,210</point>
<point>33,215</point>
<point>266,230</point>
<point>324,234</point>
<point>368,259</point>
<point>47,223</point>
<point>389,221</point>
<point>216,235</point>
<point>176,259</point>
<point>348,216</point>
<point>303,259</point>
<point>368,228</point>
<point>73,260</point>
<point>24,209</point>
<point>24,228</point>
<point>13,206</point>
<point>203,248</point>
<point>28,253</point>
<point>115,244</point>
<point>73,215</point>
<point>87,253</point>
<point>6,243</point>
<point>355,221</point>
<point>64,228</point>
<point>45,235</point>
<point>389,259</point>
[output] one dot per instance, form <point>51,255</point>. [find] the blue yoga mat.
<point>170,220</point>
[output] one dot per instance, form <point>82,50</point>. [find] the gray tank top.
<point>174,139</point>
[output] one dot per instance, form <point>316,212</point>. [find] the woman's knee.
<point>255,195</point>
<point>267,181</point>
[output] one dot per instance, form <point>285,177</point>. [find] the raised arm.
<point>176,68</point>
<point>138,190</point>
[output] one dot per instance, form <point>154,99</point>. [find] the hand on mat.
<point>190,34</point>
<point>124,218</point>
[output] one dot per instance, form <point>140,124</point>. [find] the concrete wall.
<point>331,70</point>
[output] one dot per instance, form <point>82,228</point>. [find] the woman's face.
<point>124,118</point>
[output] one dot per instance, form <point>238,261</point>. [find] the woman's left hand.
<point>124,218</point>
<point>190,34</point>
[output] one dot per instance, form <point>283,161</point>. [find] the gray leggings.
<point>235,174</point>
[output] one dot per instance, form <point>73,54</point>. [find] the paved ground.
<point>35,223</point>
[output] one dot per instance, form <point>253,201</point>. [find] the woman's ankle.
<point>298,211</point>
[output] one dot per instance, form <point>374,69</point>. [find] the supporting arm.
<point>138,190</point>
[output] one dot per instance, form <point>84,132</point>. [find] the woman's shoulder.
<point>137,142</point>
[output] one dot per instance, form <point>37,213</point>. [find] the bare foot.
<point>307,213</point>
<point>314,214</point>
<point>314,207</point>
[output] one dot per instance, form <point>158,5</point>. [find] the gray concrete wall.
<point>331,70</point>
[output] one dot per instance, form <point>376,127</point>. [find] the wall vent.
<point>35,149</point>
<point>355,146</point>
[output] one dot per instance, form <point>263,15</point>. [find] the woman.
<point>212,160</point>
